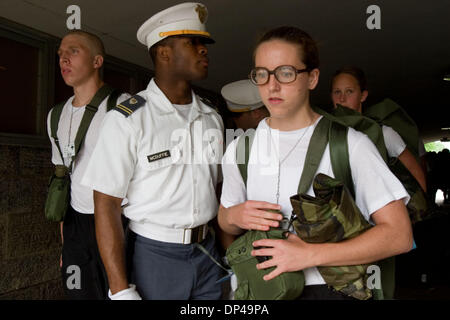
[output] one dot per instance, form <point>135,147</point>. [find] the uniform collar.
<point>163,106</point>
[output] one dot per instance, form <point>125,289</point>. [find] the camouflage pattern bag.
<point>332,216</point>
<point>251,285</point>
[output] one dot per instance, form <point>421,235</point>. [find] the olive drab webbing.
<point>350,280</point>
<point>391,114</point>
<point>58,193</point>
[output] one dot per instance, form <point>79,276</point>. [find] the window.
<point>31,83</point>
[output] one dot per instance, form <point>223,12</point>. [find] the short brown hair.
<point>309,51</point>
<point>95,43</point>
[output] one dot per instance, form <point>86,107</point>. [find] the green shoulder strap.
<point>54,121</point>
<point>89,113</point>
<point>112,99</point>
<point>316,148</point>
<point>339,155</point>
<point>243,147</point>
<point>336,134</point>
<point>324,129</point>
<point>389,113</point>
<point>91,109</point>
<point>351,118</point>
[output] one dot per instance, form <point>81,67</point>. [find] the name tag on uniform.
<point>158,156</point>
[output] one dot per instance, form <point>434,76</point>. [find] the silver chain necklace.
<point>69,145</point>
<point>280,162</point>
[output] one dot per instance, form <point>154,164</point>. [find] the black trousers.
<point>83,273</point>
<point>323,292</point>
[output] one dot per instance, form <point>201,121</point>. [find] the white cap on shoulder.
<point>185,19</point>
<point>242,96</point>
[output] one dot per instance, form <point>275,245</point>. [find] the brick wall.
<point>30,245</point>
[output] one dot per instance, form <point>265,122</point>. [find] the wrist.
<point>129,293</point>
<point>317,257</point>
<point>231,213</point>
<point>118,285</point>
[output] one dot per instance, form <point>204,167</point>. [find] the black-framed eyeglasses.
<point>284,74</point>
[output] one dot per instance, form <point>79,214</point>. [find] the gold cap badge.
<point>202,13</point>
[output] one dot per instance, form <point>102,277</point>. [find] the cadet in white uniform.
<point>245,104</point>
<point>80,59</point>
<point>161,149</point>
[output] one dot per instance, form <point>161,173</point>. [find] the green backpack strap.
<point>89,113</point>
<point>351,118</point>
<point>54,121</point>
<point>112,99</point>
<point>316,148</point>
<point>339,155</point>
<point>389,113</point>
<point>244,145</point>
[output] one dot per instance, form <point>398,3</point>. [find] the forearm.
<point>61,225</point>
<point>410,162</point>
<point>224,239</point>
<point>110,239</point>
<point>375,244</point>
<point>225,222</point>
<point>383,240</point>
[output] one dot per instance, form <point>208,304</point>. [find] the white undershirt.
<point>81,196</point>
<point>183,110</point>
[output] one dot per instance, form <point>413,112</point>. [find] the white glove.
<point>126,294</point>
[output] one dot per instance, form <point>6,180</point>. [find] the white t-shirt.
<point>81,196</point>
<point>393,141</point>
<point>365,161</point>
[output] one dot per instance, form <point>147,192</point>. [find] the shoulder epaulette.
<point>209,103</point>
<point>127,107</point>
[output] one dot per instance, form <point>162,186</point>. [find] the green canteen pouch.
<point>251,285</point>
<point>58,196</point>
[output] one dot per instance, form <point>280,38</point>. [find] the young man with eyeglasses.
<point>286,70</point>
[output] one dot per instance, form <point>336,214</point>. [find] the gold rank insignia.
<point>129,106</point>
<point>202,13</point>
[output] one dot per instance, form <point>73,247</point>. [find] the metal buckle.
<point>194,235</point>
